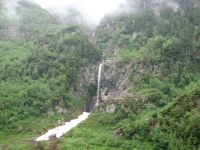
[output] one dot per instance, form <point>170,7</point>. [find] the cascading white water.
<point>61,130</point>
<point>98,83</point>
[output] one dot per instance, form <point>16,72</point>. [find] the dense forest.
<point>41,67</point>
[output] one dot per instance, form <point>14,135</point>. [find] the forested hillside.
<point>164,111</point>
<point>40,63</point>
<point>159,108</point>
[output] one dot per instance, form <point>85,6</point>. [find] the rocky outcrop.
<point>89,76</point>
<point>59,109</point>
<point>115,81</point>
<point>112,105</point>
<point>61,122</point>
<point>110,108</point>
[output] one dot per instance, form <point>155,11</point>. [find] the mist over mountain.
<point>91,11</point>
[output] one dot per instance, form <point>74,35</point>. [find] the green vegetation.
<point>168,45</point>
<point>141,124</point>
<point>29,128</point>
<point>128,54</point>
<point>40,68</point>
<point>168,116</point>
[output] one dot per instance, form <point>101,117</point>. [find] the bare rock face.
<point>90,104</point>
<point>111,105</point>
<point>88,76</point>
<point>110,108</point>
<point>115,81</point>
<point>50,112</point>
<point>59,109</point>
<point>116,49</point>
<point>61,122</point>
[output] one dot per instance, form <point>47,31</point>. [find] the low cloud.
<point>10,7</point>
<point>92,10</point>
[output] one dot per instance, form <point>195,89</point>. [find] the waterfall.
<point>98,83</point>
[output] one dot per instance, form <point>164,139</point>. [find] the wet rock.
<point>52,137</point>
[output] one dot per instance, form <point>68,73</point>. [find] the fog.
<point>92,10</point>
<point>10,6</point>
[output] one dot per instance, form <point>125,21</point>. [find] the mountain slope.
<point>149,86</point>
<point>160,108</point>
<point>40,72</point>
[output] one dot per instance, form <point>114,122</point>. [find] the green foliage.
<point>34,20</point>
<point>128,54</point>
<point>175,126</point>
<point>167,48</point>
<point>160,139</point>
<point>95,136</point>
<point>19,147</point>
<point>38,70</point>
<point>171,48</point>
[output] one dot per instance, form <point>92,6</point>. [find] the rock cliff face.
<point>89,76</point>
<point>115,81</point>
<point>115,78</point>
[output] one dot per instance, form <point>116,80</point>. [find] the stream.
<point>61,130</point>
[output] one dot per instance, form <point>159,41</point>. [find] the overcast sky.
<point>94,10</point>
